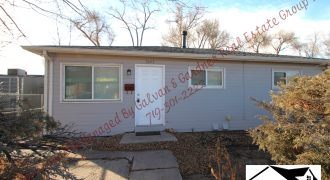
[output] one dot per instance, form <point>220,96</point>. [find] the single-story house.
<point>111,90</point>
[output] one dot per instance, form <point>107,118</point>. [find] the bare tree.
<point>311,48</point>
<point>94,27</point>
<point>283,40</point>
<point>219,39</point>
<point>327,45</point>
<point>209,34</point>
<point>58,38</point>
<point>91,24</point>
<point>5,38</point>
<point>203,32</point>
<point>7,20</point>
<point>9,29</point>
<point>185,18</point>
<point>259,41</point>
<point>135,23</point>
<point>298,46</point>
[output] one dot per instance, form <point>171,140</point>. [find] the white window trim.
<point>62,83</point>
<point>274,87</point>
<point>220,69</point>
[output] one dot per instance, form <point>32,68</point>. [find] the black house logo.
<point>281,173</point>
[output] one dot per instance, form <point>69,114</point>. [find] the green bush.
<point>299,130</point>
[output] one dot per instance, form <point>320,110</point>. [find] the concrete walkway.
<point>145,165</point>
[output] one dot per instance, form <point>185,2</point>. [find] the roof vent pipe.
<point>184,39</point>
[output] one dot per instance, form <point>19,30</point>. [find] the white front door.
<point>149,102</point>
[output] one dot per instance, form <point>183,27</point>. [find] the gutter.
<point>188,56</point>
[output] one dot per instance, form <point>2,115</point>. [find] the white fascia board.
<point>191,56</point>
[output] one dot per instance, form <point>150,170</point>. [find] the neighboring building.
<point>110,90</point>
<point>17,85</point>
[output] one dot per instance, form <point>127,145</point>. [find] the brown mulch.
<point>194,150</point>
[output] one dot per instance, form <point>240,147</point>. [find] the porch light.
<point>129,72</point>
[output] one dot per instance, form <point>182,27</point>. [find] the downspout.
<point>244,93</point>
<point>48,84</point>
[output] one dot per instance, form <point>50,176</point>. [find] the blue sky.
<point>317,10</point>
<point>235,16</point>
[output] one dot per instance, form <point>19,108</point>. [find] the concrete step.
<point>149,128</point>
<point>131,138</point>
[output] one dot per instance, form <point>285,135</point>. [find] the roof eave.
<point>39,50</point>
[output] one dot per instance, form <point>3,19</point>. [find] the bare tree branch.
<point>283,40</point>
<point>146,14</point>
<point>327,45</point>
<point>77,14</point>
<point>121,17</point>
<point>185,18</point>
<point>209,35</point>
<point>93,26</point>
<point>33,5</point>
<point>312,47</point>
<point>58,36</point>
<point>6,26</point>
<point>136,23</point>
<point>259,41</point>
<point>13,21</point>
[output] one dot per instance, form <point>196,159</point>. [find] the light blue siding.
<point>199,112</point>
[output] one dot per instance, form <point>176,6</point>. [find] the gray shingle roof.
<point>174,53</point>
<point>179,50</point>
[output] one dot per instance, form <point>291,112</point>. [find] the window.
<point>210,78</point>
<point>198,77</point>
<point>92,82</point>
<point>106,83</point>
<point>280,76</point>
<point>78,82</point>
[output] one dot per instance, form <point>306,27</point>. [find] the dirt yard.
<point>195,151</point>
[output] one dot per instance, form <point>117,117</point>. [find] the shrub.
<point>222,166</point>
<point>25,153</point>
<point>299,130</point>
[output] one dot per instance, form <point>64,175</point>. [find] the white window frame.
<point>62,83</point>
<point>275,87</point>
<point>219,69</point>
